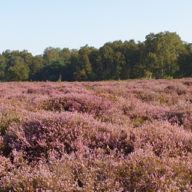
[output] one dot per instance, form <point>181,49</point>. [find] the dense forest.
<point>162,55</point>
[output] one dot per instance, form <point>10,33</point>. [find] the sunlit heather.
<point>96,136</point>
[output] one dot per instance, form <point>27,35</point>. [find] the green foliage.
<point>18,72</point>
<point>52,71</point>
<point>161,55</point>
<point>148,74</point>
<point>169,77</point>
<point>51,54</point>
<point>35,66</point>
<point>185,62</point>
<point>2,67</point>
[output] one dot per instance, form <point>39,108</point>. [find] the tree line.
<point>161,55</point>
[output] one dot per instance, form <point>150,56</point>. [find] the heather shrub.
<point>1,144</point>
<point>164,138</point>
<point>144,95</point>
<point>5,166</point>
<point>144,171</point>
<point>162,99</point>
<point>96,136</point>
<point>178,89</point>
<point>41,91</point>
<point>96,106</point>
<point>140,112</point>
<point>78,102</point>
<point>69,174</point>
<point>137,173</point>
<point>64,133</point>
<point>181,114</point>
<point>6,119</point>
<point>141,171</point>
<point>188,83</point>
<point>41,178</point>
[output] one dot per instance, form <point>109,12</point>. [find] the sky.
<point>34,25</point>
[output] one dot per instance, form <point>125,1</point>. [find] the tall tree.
<point>131,52</point>
<point>119,65</point>
<point>17,72</point>
<point>53,71</point>
<point>65,54</point>
<point>185,62</point>
<point>83,67</point>
<point>2,67</point>
<point>50,54</point>
<point>160,54</point>
<point>35,67</point>
<point>107,59</point>
<point>16,68</point>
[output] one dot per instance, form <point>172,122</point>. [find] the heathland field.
<point>124,136</point>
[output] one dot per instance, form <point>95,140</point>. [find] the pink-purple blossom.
<point>112,136</point>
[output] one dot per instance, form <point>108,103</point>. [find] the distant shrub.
<point>180,90</point>
<point>188,83</point>
<point>82,103</point>
<point>169,77</point>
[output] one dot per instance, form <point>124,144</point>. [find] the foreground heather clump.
<point>100,136</point>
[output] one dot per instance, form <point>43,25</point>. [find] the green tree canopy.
<point>2,67</point>
<point>51,54</point>
<point>16,67</point>
<point>18,72</point>
<point>160,54</point>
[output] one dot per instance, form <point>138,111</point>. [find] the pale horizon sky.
<point>34,25</point>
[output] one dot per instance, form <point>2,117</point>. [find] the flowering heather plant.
<point>164,138</point>
<point>65,133</point>
<point>79,102</point>
<point>96,136</point>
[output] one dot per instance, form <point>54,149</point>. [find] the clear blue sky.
<point>36,24</point>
